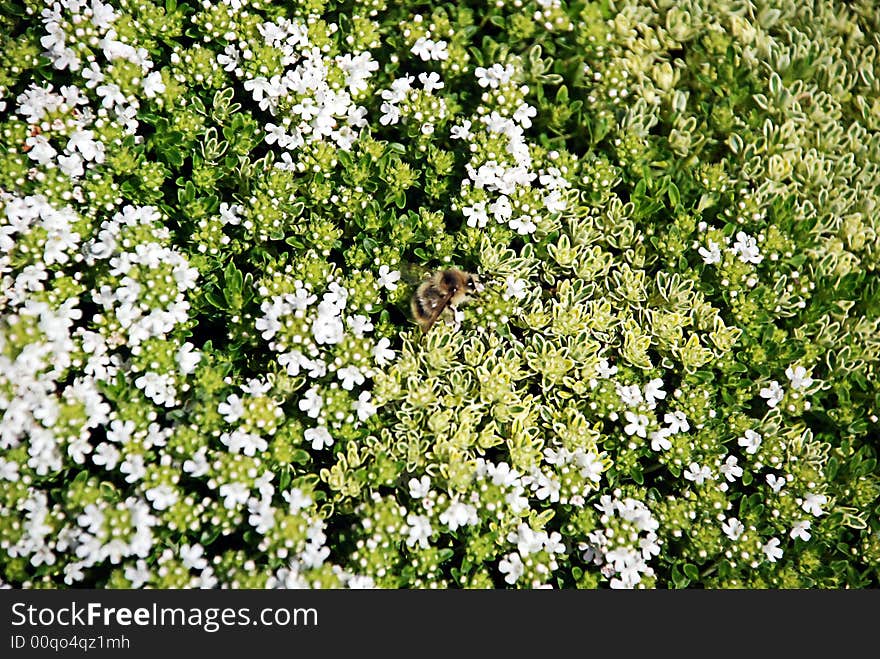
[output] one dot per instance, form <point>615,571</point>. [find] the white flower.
<point>232,409</point>
<point>751,442</point>
<point>234,495</point>
<point>676,421</point>
<point>515,288</point>
<point>555,202</point>
<point>350,376</point>
<point>501,209</point>
<point>746,247</point>
<point>523,115</point>
<point>439,50</point>
<point>187,358</point>
<point>390,114</point>
<point>71,165</point>
<point>388,278</point>
<point>462,132</point>
<point>247,443</point>
<point>494,76</point>
<point>419,531</point>
<point>360,325</point>
<point>197,465</point>
<point>382,354</point>
<point>106,455</point>
<point>511,566</point>
<point>698,474</point>
<point>364,406</point>
<point>637,424</point>
<point>428,49</point>
<point>431,81</point>
<point>605,370</point>
<point>459,514</point>
<point>772,550</point>
<point>730,469</point>
<point>153,84</point>
<point>84,142</point>
<point>712,254</point>
<point>773,393</point>
<point>813,504</point>
<point>111,95</point>
<point>192,556</point>
<point>476,215</point>
<point>296,499</point>
<point>660,439</point>
<point>590,464</point>
<point>733,528</point>
<point>801,530</point>
<point>775,482</point>
<point>654,392</point>
<point>319,437</point>
<point>798,377</point>
<point>9,470</point>
<point>419,488</point>
<point>40,149</point>
<point>162,496</point>
<point>135,469</point>
<point>312,403</point>
<point>327,327</point>
<point>631,395</point>
<point>523,225</point>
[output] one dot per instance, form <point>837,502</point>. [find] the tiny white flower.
<point>637,424</point>
<point>419,531</point>
<point>654,392</point>
<point>699,474</point>
<point>350,377</point>
<point>746,248</point>
<point>801,530</point>
<point>153,84</point>
<point>775,482</point>
<point>388,278</point>
<point>730,469</point>
<point>798,377</point>
<point>676,421</point>
<point>631,395</point>
<point>462,132</point>
<point>605,370</point>
<point>773,393</point>
<point>364,406</point>
<point>162,496</point>
<point>751,442</point>
<point>381,352</point>
<point>511,566</point>
<point>312,403</point>
<point>419,488</point>
<point>431,81</point>
<point>772,550</point>
<point>711,254</point>
<point>813,504</point>
<point>515,288</point>
<point>660,439</point>
<point>192,556</point>
<point>733,528</point>
<point>523,225</point>
<point>319,437</point>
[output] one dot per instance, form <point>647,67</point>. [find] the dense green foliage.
<point>213,216</point>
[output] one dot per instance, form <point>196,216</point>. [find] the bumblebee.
<point>440,294</point>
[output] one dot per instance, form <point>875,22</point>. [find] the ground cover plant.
<point>213,216</point>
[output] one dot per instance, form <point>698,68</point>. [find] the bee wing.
<point>411,274</point>
<point>442,303</point>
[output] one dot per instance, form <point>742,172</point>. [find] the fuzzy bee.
<point>441,293</point>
